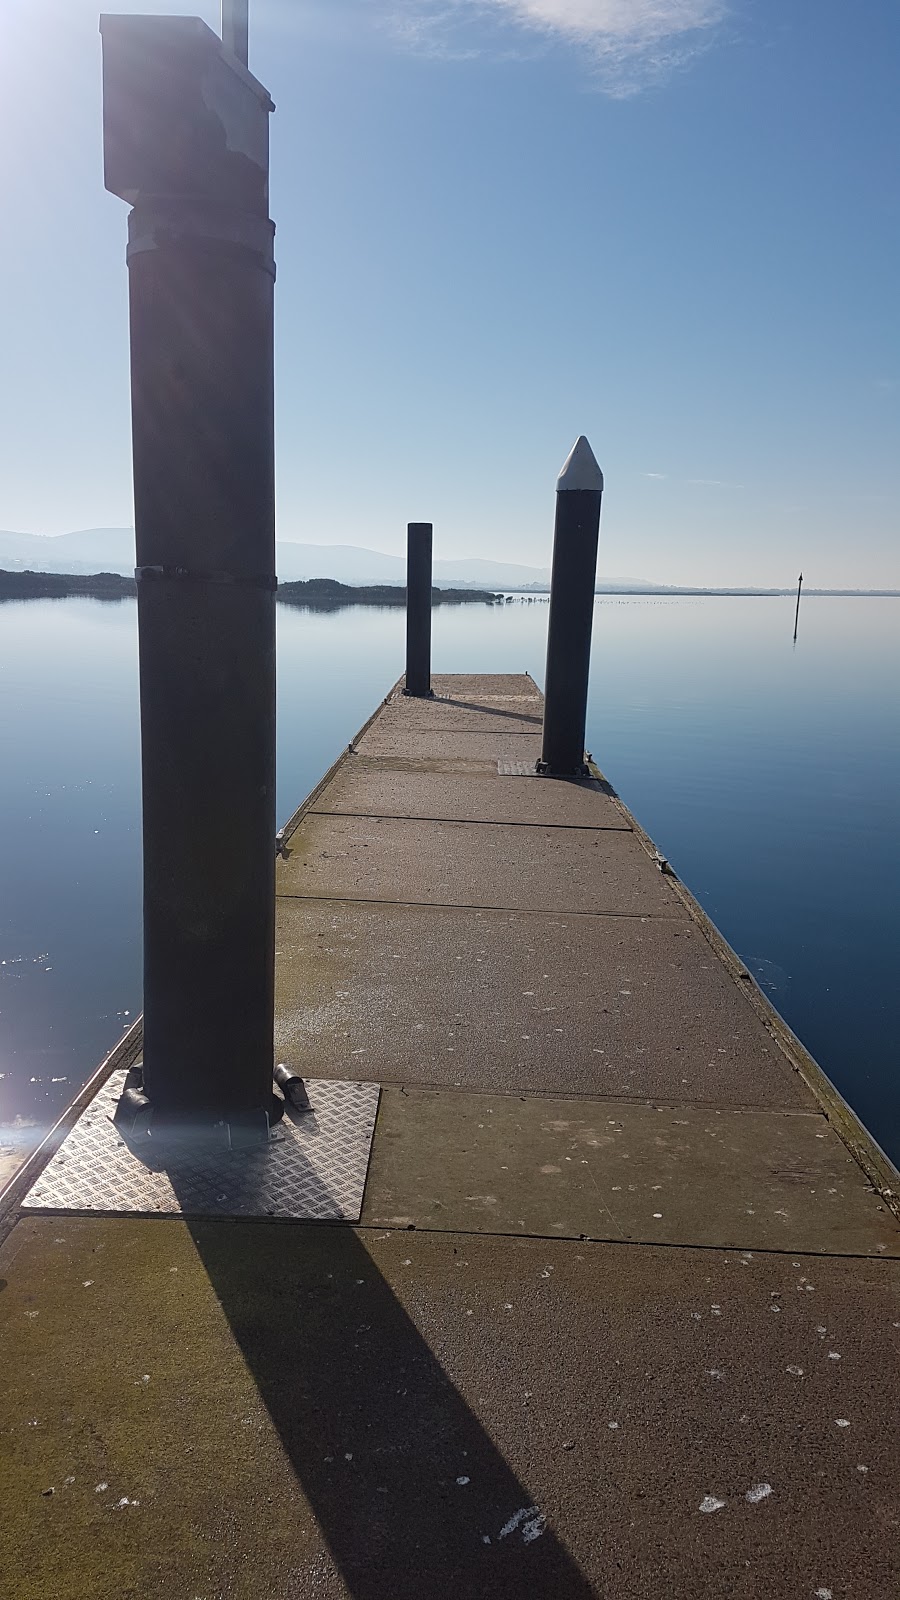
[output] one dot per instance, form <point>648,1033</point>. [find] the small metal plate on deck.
<point>517,769</point>
<point>313,1169</point>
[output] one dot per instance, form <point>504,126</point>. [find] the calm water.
<point>767,773</point>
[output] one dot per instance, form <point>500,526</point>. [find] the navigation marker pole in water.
<point>579,490</point>
<point>186,144</point>
<point>797,612</point>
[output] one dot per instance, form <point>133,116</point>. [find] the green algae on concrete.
<point>303,1411</point>
<point>504,1000</point>
<point>438,862</point>
<point>687,1175</point>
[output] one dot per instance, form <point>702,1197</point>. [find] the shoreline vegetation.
<point>313,594</point>
<point>327,594</point>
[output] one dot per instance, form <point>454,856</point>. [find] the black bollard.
<point>418,609</point>
<point>579,490</point>
<point>186,143</point>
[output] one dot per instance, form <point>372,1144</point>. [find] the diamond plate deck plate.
<point>517,769</point>
<point>313,1170</point>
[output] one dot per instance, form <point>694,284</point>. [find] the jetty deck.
<point>620,1316</point>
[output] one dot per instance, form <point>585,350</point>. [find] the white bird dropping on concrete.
<point>581,469</point>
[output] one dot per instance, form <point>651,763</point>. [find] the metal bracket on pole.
<point>236,28</point>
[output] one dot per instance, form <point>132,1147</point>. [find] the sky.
<point>672,225</point>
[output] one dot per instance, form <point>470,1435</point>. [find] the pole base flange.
<point>544,770</point>
<point>141,1123</point>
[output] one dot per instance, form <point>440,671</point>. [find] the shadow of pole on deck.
<point>413,1498</point>
<point>492,711</point>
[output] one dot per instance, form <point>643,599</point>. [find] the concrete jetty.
<point>613,1309</point>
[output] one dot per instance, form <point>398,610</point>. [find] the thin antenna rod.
<point>236,28</point>
<point>797,612</point>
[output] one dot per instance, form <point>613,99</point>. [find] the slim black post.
<point>236,28</point>
<point>579,490</point>
<point>797,612</point>
<point>186,143</point>
<point>418,608</point>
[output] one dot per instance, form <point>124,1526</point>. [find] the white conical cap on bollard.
<point>581,470</point>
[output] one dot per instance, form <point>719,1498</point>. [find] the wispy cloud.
<point>715,483</point>
<point>630,43</point>
<point>702,483</point>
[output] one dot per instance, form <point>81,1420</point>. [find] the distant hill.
<point>313,594</point>
<point>325,594</point>
<point>90,551</point>
<point>112,550</point>
<point>25,585</point>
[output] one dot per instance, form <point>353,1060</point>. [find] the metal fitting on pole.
<point>186,143</point>
<point>236,28</point>
<point>292,1087</point>
<point>418,609</point>
<point>579,491</point>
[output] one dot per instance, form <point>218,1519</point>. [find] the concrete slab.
<point>480,685</point>
<point>455,715</point>
<point>687,1175</point>
<point>308,1412</point>
<point>460,863</point>
<point>522,1004</point>
<point>383,739</point>
<point>364,788</point>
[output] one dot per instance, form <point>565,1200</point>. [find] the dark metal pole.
<point>579,490</point>
<point>236,28</point>
<point>186,142</point>
<point>797,612</point>
<point>418,608</point>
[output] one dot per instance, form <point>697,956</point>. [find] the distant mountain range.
<point>95,550</point>
<point>112,550</point>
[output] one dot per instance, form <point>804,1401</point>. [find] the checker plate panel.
<point>312,1170</point>
<point>517,769</point>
